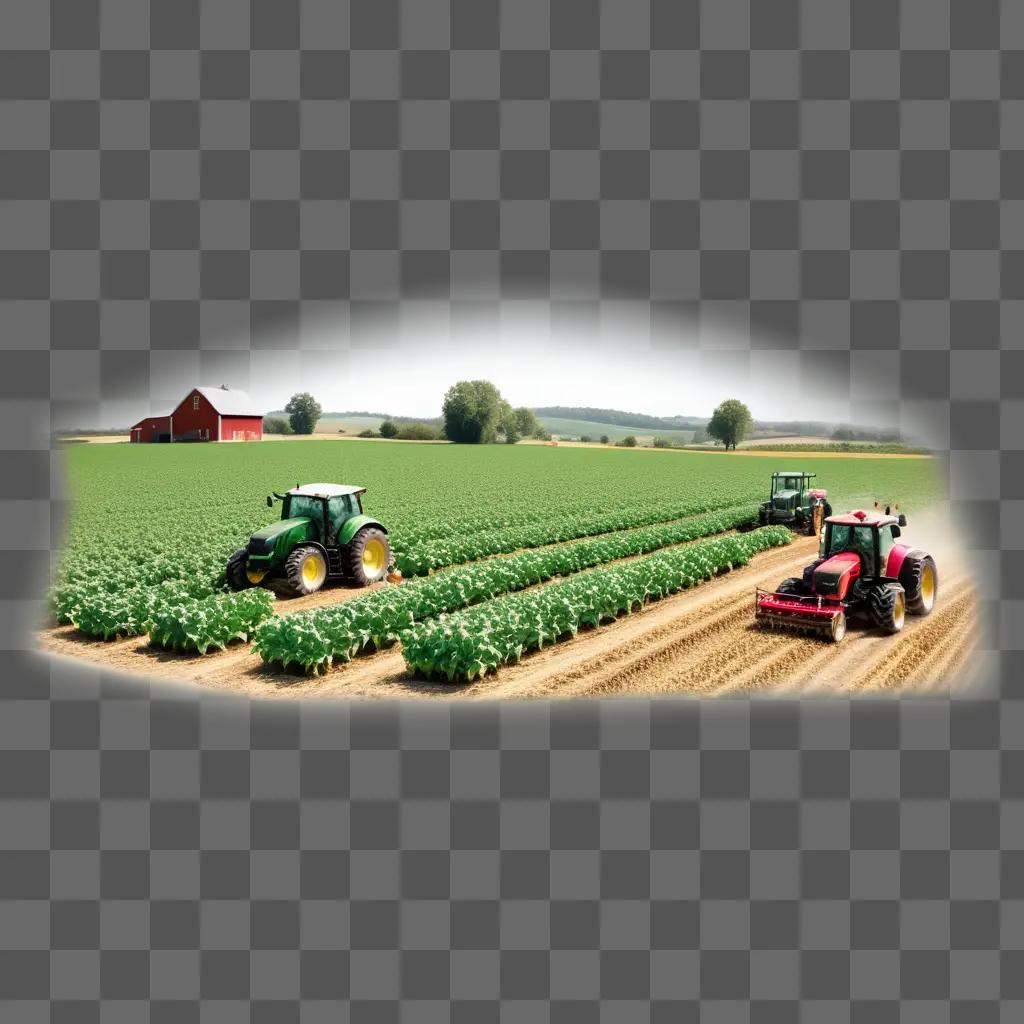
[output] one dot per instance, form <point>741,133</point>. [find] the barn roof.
<point>326,490</point>
<point>152,419</point>
<point>229,402</point>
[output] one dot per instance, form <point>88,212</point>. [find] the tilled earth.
<point>701,642</point>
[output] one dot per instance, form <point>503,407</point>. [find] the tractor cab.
<point>795,503</point>
<point>869,536</point>
<point>327,506</point>
<point>788,489</point>
<point>323,533</point>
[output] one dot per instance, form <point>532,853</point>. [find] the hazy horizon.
<point>618,361</point>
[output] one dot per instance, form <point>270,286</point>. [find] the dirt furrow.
<point>938,638</point>
<point>700,642</point>
<point>237,666</point>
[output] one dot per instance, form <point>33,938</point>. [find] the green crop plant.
<point>154,524</point>
<point>469,644</point>
<point>314,640</point>
<point>210,622</point>
<point>422,558</point>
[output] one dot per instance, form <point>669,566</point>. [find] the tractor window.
<point>302,505</point>
<point>885,542</point>
<point>339,509</point>
<point>852,538</point>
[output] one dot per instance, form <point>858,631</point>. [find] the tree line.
<point>474,412</point>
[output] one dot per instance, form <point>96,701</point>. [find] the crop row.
<point>315,639</point>
<point>471,643</point>
<point>512,515</point>
<point>215,621</point>
<point>113,614</point>
<point>420,559</point>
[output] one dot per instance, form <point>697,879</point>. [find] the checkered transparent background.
<point>186,188</point>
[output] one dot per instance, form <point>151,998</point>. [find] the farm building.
<point>205,414</point>
<point>152,430</point>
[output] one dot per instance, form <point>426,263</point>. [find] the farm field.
<point>556,524</point>
<point>560,427</point>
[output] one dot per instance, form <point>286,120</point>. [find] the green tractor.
<point>794,503</point>
<point>323,534</point>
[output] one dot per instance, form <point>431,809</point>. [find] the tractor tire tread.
<point>882,605</point>
<point>793,585</point>
<point>293,570</point>
<point>354,555</point>
<point>911,573</point>
<point>235,571</point>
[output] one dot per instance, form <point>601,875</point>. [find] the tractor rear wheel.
<point>888,606</point>
<point>235,571</point>
<point>305,570</point>
<point>920,580</point>
<point>369,555</point>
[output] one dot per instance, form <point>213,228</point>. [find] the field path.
<point>700,642</point>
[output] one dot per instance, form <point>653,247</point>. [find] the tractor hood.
<point>286,532</point>
<point>274,530</point>
<point>786,499</point>
<point>833,577</point>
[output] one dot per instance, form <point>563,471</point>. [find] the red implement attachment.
<point>804,614</point>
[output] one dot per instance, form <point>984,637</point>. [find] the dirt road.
<point>700,642</point>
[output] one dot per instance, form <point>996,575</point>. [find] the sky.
<point>404,365</point>
<point>617,365</point>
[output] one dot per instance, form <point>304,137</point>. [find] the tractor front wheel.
<point>369,555</point>
<point>888,606</point>
<point>920,580</point>
<point>305,570</point>
<point>793,586</point>
<point>235,571</point>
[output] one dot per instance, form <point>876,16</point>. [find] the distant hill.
<point>617,418</point>
<point>374,416</point>
<point>569,428</point>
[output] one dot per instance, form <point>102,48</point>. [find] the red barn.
<point>205,414</point>
<point>151,430</point>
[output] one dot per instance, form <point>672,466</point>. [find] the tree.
<point>662,442</point>
<point>366,433</point>
<point>526,422</point>
<point>473,411</point>
<point>276,425</point>
<point>418,432</point>
<point>730,423</point>
<point>629,441</point>
<point>586,439</point>
<point>508,423</point>
<point>303,412</point>
<point>388,429</point>
<point>604,439</point>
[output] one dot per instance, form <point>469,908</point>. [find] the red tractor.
<point>861,571</point>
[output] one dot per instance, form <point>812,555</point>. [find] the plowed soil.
<point>701,642</point>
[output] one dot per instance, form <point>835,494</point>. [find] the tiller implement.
<point>861,572</point>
